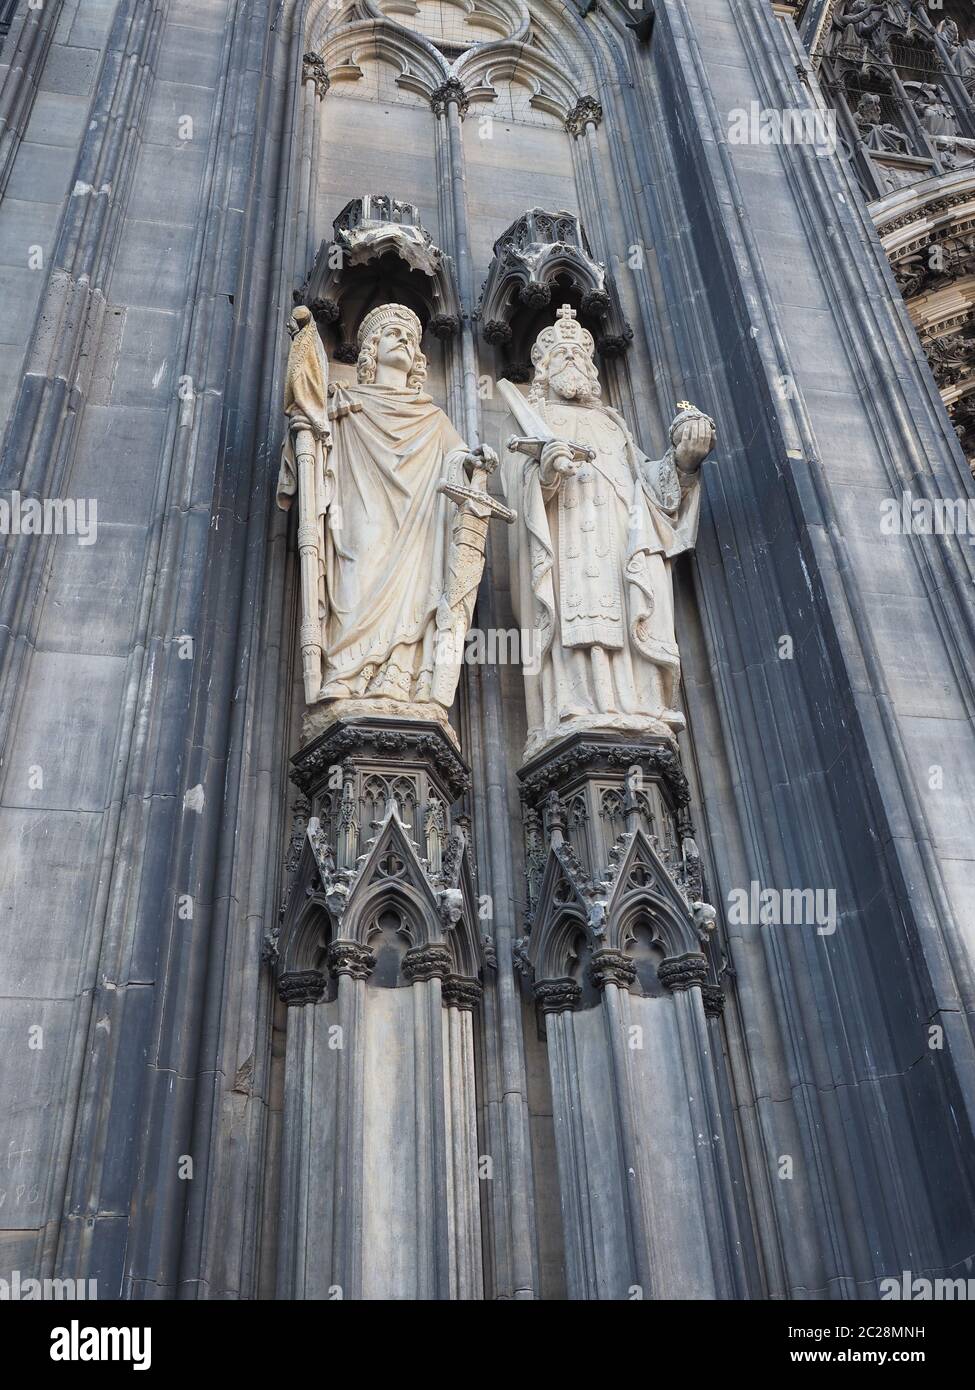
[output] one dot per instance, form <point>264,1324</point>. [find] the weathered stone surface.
<point>141,877</point>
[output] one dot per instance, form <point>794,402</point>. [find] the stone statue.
<point>964,62</point>
<point>933,111</point>
<point>948,31</point>
<point>591,556</point>
<point>866,28</point>
<point>876,133</point>
<point>380,527</point>
<point>302,471</point>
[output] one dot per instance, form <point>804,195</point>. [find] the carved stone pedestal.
<point>617,954</point>
<point>378,959</point>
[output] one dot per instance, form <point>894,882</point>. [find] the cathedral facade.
<point>487,648</point>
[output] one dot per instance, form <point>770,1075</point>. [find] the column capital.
<point>555,996</point>
<point>461,992</point>
<point>450,91</point>
<point>313,70</point>
<point>300,987</point>
<point>350,958</point>
<point>427,963</point>
<point>683,972</point>
<point>587,111</point>
<point>714,999</point>
<point>609,967</point>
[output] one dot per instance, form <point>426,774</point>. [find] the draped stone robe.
<point>384,540</point>
<point>591,576</point>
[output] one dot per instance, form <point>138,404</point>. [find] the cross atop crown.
<point>567,326</point>
<point>565,329</point>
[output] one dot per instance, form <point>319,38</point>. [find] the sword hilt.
<point>580,453</point>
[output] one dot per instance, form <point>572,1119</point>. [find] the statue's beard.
<point>570,383</point>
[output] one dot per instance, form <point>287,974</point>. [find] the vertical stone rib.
<point>708,1148</point>
<point>25,49</point>
<point>514,1263</point>
<point>635,1175</point>
<point>574,1177</point>
<point>350,964</point>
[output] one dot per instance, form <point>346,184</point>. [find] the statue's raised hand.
<point>693,437</point>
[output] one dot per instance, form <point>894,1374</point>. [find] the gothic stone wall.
<point>151,150</point>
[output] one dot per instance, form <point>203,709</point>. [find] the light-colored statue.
<point>303,471</point>
<point>591,555</point>
<point>389,550</point>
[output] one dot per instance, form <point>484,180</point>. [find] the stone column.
<point>687,979</point>
<point>556,999</point>
<point>461,997</point>
<point>380,1195</point>
<point>426,966</point>
<point>350,964</point>
<point>612,973</point>
<point>648,1206</point>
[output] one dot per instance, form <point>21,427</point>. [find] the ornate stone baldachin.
<point>337,743</point>
<point>555,771</point>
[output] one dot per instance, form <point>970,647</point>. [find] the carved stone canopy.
<point>379,252</point>
<point>614,878</point>
<point>379,881</point>
<point>542,260</point>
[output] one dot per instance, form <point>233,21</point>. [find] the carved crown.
<point>565,329</point>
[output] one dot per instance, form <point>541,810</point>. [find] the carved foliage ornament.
<point>586,112</point>
<point>313,70</point>
<point>452,90</point>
